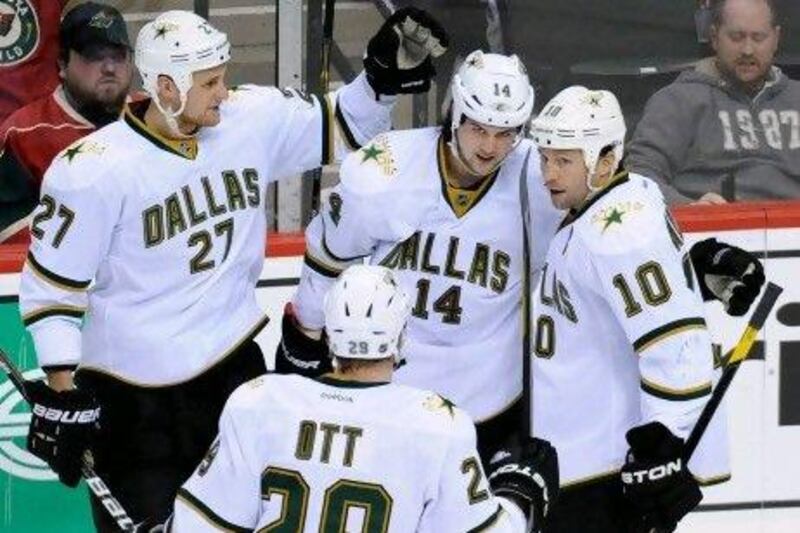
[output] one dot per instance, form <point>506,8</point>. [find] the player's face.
<point>204,98</point>
<point>746,41</point>
<point>484,147</point>
<point>99,76</point>
<point>564,173</point>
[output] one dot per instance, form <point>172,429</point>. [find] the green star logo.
<point>614,217</point>
<point>449,405</point>
<point>436,402</point>
<point>593,98</point>
<point>162,30</point>
<point>73,152</point>
<point>371,152</point>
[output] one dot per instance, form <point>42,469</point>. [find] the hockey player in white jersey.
<point>149,240</point>
<point>441,207</point>
<point>350,451</point>
<point>623,359</point>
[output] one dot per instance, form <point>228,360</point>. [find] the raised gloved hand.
<point>728,274</point>
<point>528,474</point>
<point>655,479</point>
<point>398,57</point>
<point>63,426</point>
<point>297,353</point>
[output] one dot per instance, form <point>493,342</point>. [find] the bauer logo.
<point>14,418</point>
<point>19,31</point>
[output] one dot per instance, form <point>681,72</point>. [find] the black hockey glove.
<point>398,57</point>
<point>655,479</point>
<point>528,474</point>
<point>63,426</point>
<point>728,274</point>
<point>297,353</point>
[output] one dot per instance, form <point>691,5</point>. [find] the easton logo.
<point>14,420</point>
<point>19,31</point>
<point>653,474</point>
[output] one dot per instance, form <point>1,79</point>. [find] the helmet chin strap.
<point>170,117</point>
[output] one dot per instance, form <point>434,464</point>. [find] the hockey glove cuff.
<point>655,478</point>
<point>298,353</point>
<point>527,473</point>
<point>398,57</point>
<point>728,274</point>
<point>63,426</point>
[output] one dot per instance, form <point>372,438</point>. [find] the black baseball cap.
<point>90,24</point>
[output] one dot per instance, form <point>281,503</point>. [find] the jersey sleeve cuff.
<point>57,342</point>
<point>358,112</point>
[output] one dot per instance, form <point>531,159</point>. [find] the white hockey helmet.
<point>582,119</point>
<point>177,44</point>
<point>492,89</point>
<point>365,314</point>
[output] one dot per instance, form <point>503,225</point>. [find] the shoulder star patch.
<point>614,217</point>
<point>436,402</point>
<point>72,152</point>
<point>370,152</point>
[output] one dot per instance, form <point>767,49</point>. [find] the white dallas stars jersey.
<point>619,334</point>
<point>457,253</point>
<point>296,454</point>
<point>171,233</point>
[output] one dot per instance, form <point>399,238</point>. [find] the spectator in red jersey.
<point>28,51</point>
<point>96,70</point>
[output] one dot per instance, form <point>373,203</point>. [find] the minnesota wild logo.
<point>19,31</point>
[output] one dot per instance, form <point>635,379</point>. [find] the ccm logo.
<point>67,417</point>
<point>654,474</point>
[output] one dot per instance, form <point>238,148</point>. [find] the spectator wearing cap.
<point>730,128</point>
<point>96,70</point>
<point>28,51</point>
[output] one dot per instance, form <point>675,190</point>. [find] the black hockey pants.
<point>151,439</point>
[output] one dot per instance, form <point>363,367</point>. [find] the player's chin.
<point>210,118</point>
<point>559,199</point>
<point>484,165</point>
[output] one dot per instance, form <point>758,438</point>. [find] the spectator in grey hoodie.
<point>729,129</point>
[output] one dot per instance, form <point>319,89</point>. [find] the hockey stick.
<point>527,369</point>
<point>739,354</point>
<point>96,485</point>
<point>324,85</point>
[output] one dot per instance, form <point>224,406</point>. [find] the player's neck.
<point>458,174</point>
<point>378,372</point>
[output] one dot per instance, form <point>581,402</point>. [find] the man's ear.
<point>606,166</point>
<point>714,37</point>
<point>62,65</point>
<point>167,91</point>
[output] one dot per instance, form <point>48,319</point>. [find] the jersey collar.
<point>460,200</point>
<point>134,117</point>
<point>349,384</point>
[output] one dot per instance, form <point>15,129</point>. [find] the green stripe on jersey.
<point>207,513</point>
<point>667,330</point>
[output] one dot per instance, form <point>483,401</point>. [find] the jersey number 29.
<point>339,499</point>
